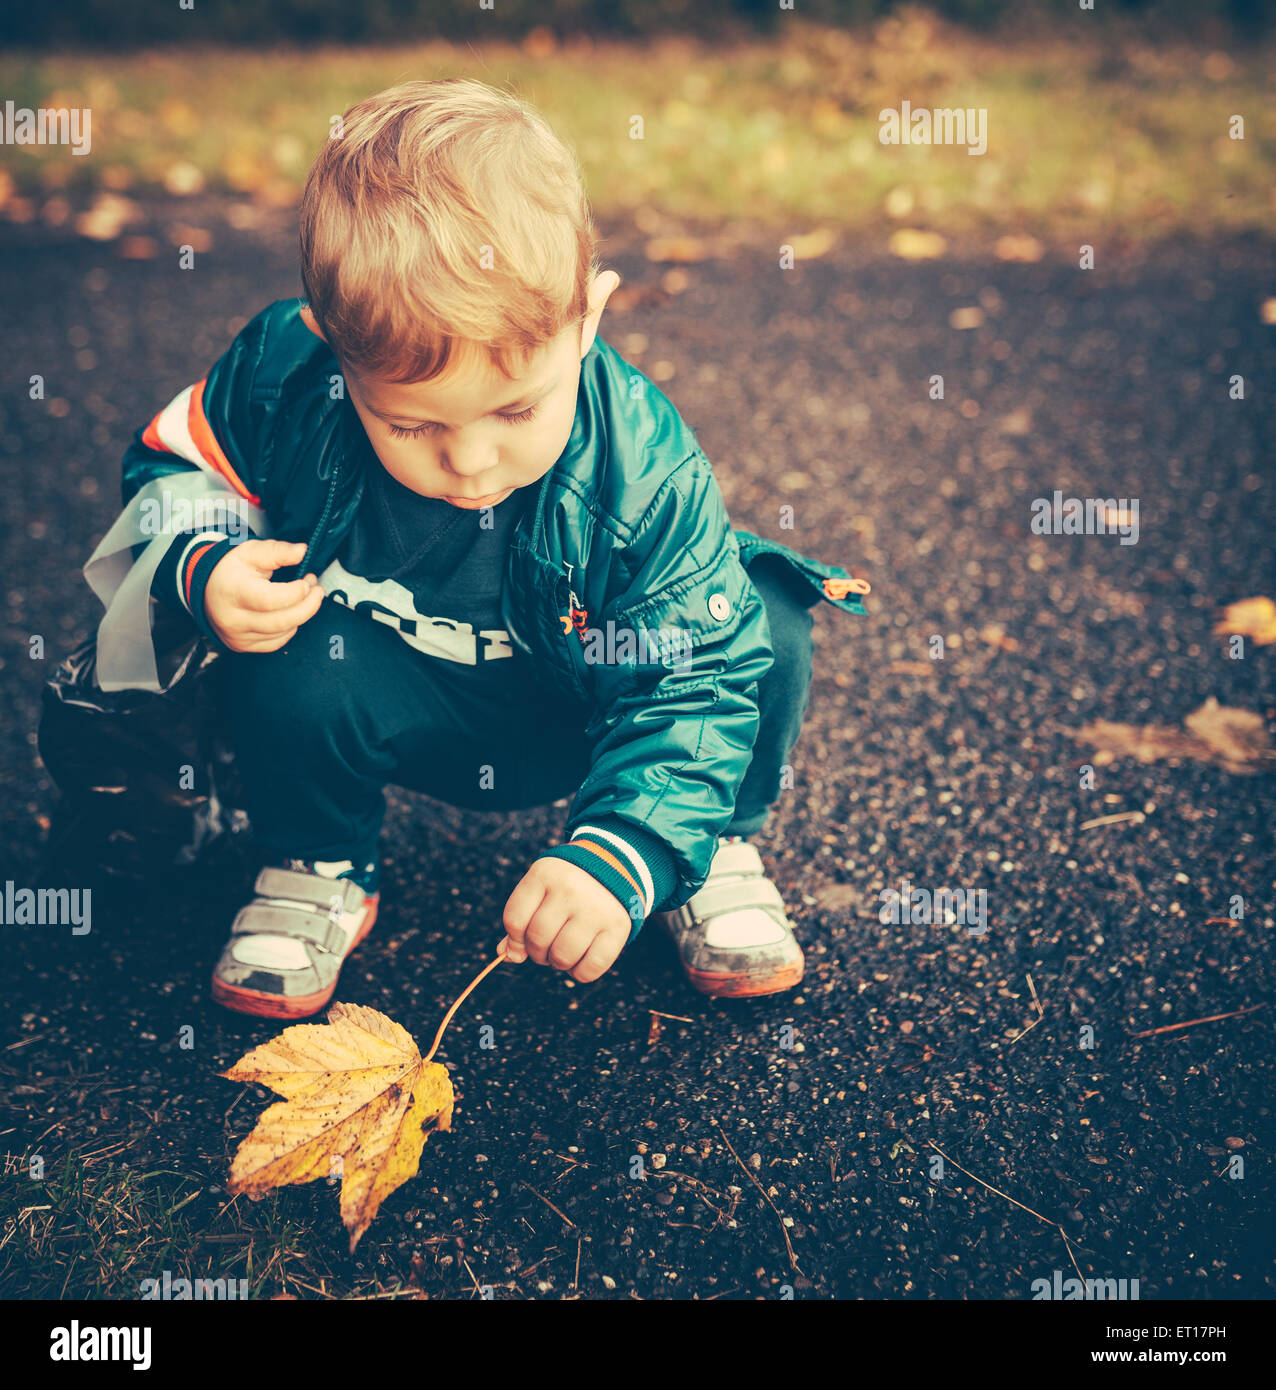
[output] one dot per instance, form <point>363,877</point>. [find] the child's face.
<point>471,436</point>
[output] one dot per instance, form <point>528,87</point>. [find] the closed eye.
<point>518,418</point>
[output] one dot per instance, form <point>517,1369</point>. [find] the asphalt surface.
<point>809,388</point>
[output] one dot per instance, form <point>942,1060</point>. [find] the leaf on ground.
<point>996,636</point>
<point>1251,617</point>
<point>356,1089</point>
<point>1235,739</point>
<point>686,249</point>
<point>910,244</point>
<point>1023,248</point>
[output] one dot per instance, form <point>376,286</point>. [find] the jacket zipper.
<point>323,521</point>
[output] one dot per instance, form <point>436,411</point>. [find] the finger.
<point>519,908</point>
<point>598,960</point>
<point>268,556</point>
<point>271,624</point>
<point>570,945</point>
<point>261,595</point>
<point>542,930</point>
<point>509,955</point>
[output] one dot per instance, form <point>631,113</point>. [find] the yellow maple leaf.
<point>356,1089</point>
<point>359,1099</point>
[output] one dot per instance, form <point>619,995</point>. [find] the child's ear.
<point>312,323</point>
<point>599,293</point>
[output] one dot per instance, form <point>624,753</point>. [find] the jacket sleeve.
<point>676,728</point>
<point>198,466</point>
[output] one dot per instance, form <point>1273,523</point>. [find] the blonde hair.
<point>444,215</point>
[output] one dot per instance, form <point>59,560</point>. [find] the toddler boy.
<point>449,539</point>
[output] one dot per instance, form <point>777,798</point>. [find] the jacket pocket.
<point>831,583</point>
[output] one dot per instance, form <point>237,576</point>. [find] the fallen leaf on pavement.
<point>811,245</point>
<point>909,244</point>
<point>1251,617</point>
<point>1019,248</point>
<point>1018,422</point>
<point>356,1090</point>
<point>1235,739</point>
<point>968,316</point>
<point>995,635</point>
<point>359,1101</point>
<point>107,217</point>
<point>684,248</point>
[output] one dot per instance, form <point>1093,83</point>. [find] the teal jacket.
<point>629,529</point>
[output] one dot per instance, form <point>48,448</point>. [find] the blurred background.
<point>1105,120</point>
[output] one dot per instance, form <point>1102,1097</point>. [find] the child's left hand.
<point>562,916</point>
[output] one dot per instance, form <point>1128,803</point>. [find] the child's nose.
<point>469,462</point>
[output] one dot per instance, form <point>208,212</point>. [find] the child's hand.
<point>249,613</point>
<point>562,916</point>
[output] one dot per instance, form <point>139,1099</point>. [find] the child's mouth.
<point>490,500</point>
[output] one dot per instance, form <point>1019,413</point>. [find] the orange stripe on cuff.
<point>206,442</point>
<point>191,562</point>
<point>615,863</point>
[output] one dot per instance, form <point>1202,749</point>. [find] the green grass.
<point>96,1229</point>
<point>1084,135</point>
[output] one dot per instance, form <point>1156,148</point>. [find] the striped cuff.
<point>631,863</point>
<point>182,575</point>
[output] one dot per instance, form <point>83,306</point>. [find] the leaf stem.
<point>460,999</point>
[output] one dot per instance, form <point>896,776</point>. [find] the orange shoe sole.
<point>252,1001</point>
<point>745,986</point>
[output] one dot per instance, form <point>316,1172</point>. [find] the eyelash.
<point>521,418</point>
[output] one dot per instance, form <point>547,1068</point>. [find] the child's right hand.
<point>246,610</point>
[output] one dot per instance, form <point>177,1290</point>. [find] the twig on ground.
<point>784,1230</point>
<point>1010,1199</point>
<point>1192,1022</point>
<point>1134,817</point>
<point>549,1204</point>
<point>1041,1013</point>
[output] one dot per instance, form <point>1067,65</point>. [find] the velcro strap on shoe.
<point>328,893</point>
<point>277,919</point>
<point>729,897</point>
<point>739,857</point>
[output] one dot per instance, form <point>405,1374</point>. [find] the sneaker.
<point>733,936</point>
<point>287,946</point>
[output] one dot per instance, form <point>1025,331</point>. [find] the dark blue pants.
<point>317,739</point>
